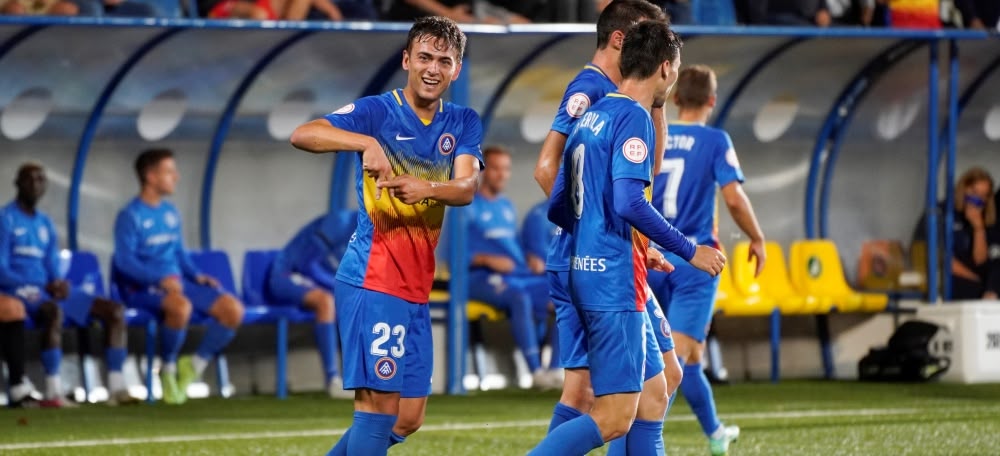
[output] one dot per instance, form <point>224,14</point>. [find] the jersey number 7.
<point>673,168</point>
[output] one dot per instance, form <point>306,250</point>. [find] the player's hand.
<point>823,18</point>
<point>990,295</point>
<point>462,14</point>
<point>376,165</point>
<point>708,259</point>
<point>406,188</point>
<point>171,284</point>
<point>656,261</point>
<point>59,289</point>
<point>536,265</point>
<point>207,280</point>
<point>757,251</point>
<point>501,264</point>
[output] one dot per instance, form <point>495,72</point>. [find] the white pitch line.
<point>257,435</point>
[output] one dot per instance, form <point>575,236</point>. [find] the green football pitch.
<point>790,418</point>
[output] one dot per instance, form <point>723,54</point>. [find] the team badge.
<point>170,219</point>
<point>635,150</point>
<point>446,143</point>
<point>385,368</point>
<point>577,104</point>
<point>43,235</point>
<point>345,110</point>
<point>664,327</point>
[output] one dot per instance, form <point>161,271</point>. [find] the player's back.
<point>697,159</point>
<point>392,249</point>
<point>29,240</point>
<point>604,265</point>
<point>493,231</point>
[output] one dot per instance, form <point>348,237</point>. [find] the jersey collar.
<point>401,101</point>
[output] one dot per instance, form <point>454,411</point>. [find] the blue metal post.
<point>933,154</point>
<point>949,169</point>
<point>775,345</point>
<point>458,337</point>
<point>90,129</point>
<point>150,355</point>
<point>222,130</point>
<point>281,382</point>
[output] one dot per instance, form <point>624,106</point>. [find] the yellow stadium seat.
<point>733,301</point>
<point>816,269</point>
<point>474,310</point>
<point>773,281</point>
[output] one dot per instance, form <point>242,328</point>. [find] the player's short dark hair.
<point>623,14</point>
<point>646,46</point>
<point>27,167</point>
<point>149,159</point>
<point>494,150</point>
<point>443,31</point>
<point>696,84</point>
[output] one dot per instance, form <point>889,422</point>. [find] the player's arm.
<point>549,160</point>
<point>742,211</point>
<point>321,136</point>
<point>559,210</point>
<point>458,191</point>
<point>126,259</point>
<point>532,241</point>
<point>8,277</point>
<point>55,285</point>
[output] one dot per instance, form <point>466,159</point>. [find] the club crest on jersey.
<point>635,150</point>
<point>345,110</point>
<point>170,219</point>
<point>577,104</point>
<point>446,143</point>
<point>43,235</point>
<point>385,368</point>
<point>664,327</point>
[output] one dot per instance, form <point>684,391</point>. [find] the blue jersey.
<point>392,250</point>
<point>611,142</point>
<point>149,244</point>
<point>696,160</point>
<point>537,231</point>
<point>29,250</point>
<point>589,86</point>
<point>493,229</point>
<point>321,243</point>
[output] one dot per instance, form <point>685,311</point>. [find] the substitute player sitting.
<point>303,273</point>
<point>155,272</point>
<point>29,274</point>
<point>601,197</point>
<point>499,275</point>
<point>418,155</point>
<point>699,158</point>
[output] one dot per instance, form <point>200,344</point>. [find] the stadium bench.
<point>256,269</point>
<point>816,269</point>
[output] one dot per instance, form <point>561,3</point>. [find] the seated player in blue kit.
<point>304,273</point>
<point>156,273</point>
<point>537,233</point>
<point>30,277</point>
<point>499,275</point>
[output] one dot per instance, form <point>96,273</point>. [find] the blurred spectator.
<point>851,12</point>
<point>40,8</point>
<point>979,14</point>
<point>357,10</point>
<point>679,11</point>
<point>536,236</point>
<point>787,12</point>
<point>464,11</point>
<point>975,221</point>
<point>925,14</point>
<point>269,10</point>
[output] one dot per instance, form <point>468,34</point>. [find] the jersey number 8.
<point>577,176</point>
<point>382,329</point>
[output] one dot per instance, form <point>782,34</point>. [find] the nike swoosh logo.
<point>404,138</point>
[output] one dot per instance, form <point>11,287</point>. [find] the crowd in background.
<point>973,14</point>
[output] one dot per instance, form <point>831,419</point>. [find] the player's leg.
<point>227,314</point>
<point>12,315</point>
<point>659,285</point>
<point>577,394</point>
<point>419,362</point>
<point>373,329</point>
<point>617,355</point>
<point>508,295</point>
<point>296,288</point>
<point>645,437</point>
<point>112,317</point>
<point>48,316</point>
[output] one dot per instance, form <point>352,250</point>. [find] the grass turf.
<point>809,418</point>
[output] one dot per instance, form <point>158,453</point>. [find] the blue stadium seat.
<point>256,270</point>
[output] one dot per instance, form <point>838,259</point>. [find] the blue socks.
<point>326,342</point>
<point>573,438</point>
<point>171,341</point>
<point>369,434</point>
<point>562,414</point>
<point>644,438</point>
<point>395,439</point>
<point>115,357</point>
<point>216,338</point>
<point>698,393</point>
<point>51,359</point>
<point>522,322</point>
<point>340,449</point>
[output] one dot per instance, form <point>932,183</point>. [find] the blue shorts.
<point>76,306</point>
<point>289,288</point>
<point>661,328</point>
<point>688,295</point>
<point>569,325</point>
<point>617,350</point>
<point>386,342</point>
<point>202,297</point>
<point>654,359</point>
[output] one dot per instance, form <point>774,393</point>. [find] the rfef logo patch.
<point>577,104</point>
<point>635,150</point>
<point>446,143</point>
<point>385,368</point>
<point>345,110</point>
